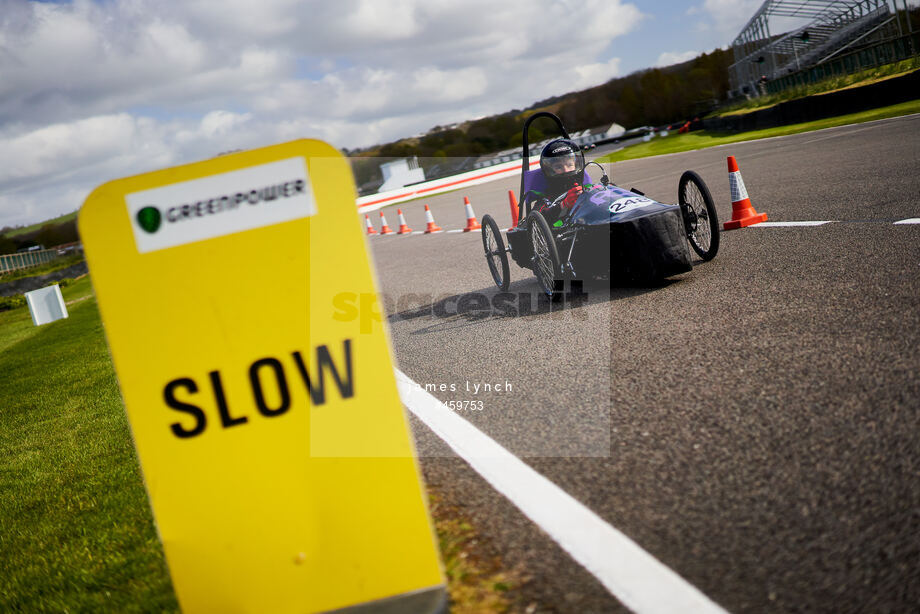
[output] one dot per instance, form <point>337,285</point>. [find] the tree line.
<point>48,235</point>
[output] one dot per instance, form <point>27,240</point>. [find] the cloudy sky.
<point>93,90</point>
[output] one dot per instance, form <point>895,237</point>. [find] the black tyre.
<point>496,256</point>
<point>700,219</point>
<point>545,256</point>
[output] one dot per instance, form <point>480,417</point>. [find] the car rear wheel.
<point>496,256</point>
<point>545,256</point>
<point>699,212</point>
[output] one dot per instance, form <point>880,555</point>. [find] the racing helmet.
<point>563,164</point>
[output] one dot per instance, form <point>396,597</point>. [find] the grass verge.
<point>675,143</point>
<point>16,324</point>
<point>477,581</point>
<point>76,531</point>
<point>49,267</point>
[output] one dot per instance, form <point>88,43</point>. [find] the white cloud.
<point>725,17</point>
<point>91,91</point>
<point>85,59</point>
<point>70,146</point>
<point>394,20</point>
<point>50,170</point>
<point>221,122</point>
<point>596,73</point>
<point>675,57</point>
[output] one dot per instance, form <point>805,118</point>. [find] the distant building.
<point>614,131</point>
<point>399,173</point>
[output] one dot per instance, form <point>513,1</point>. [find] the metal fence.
<point>895,50</point>
<point>23,260</point>
<point>814,33</point>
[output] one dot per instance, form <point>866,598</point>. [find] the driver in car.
<point>563,166</point>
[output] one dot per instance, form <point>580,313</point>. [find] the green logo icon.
<point>149,218</point>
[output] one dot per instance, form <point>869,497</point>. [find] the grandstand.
<point>810,33</point>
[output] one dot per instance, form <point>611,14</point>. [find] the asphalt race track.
<point>754,424</point>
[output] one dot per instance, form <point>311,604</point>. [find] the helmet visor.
<point>561,165</point>
<point>562,159</point>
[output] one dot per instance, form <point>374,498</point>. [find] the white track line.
<point>769,138</point>
<point>779,224</point>
<point>910,220</point>
<point>834,136</point>
<point>807,132</point>
<point>641,582</point>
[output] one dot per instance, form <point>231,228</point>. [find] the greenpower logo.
<point>149,218</point>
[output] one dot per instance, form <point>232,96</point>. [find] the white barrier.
<point>373,202</point>
<point>46,305</point>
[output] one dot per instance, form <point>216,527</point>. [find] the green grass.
<point>77,290</point>
<point>76,532</point>
<point>701,139</point>
<point>15,325</point>
<point>476,580</point>
<point>24,229</point>
<point>831,84</point>
<point>19,300</point>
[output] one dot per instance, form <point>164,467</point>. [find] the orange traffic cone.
<point>512,201</point>
<point>370,227</point>
<point>432,227</point>
<point>384,229</point>
<point>471,223</point>
<point>743,213</point>
<point>403,227</point>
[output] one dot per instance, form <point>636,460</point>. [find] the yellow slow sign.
<point>274,447</point>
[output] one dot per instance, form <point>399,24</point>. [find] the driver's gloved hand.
<point>571,196</point>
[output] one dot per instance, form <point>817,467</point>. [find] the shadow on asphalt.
<point>522,300</point>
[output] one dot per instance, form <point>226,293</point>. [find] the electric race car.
<point>573,228</point>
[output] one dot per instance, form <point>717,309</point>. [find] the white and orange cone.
<point>471,222</point>
<point>403,227</point>
<point>743,212</point>
<point>384,229</point>
<point>370,227</point>
<point>431,226</point>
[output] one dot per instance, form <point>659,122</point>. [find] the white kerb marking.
<point>641,582</point>
<point>910,220</point>
<point>780,224</point>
